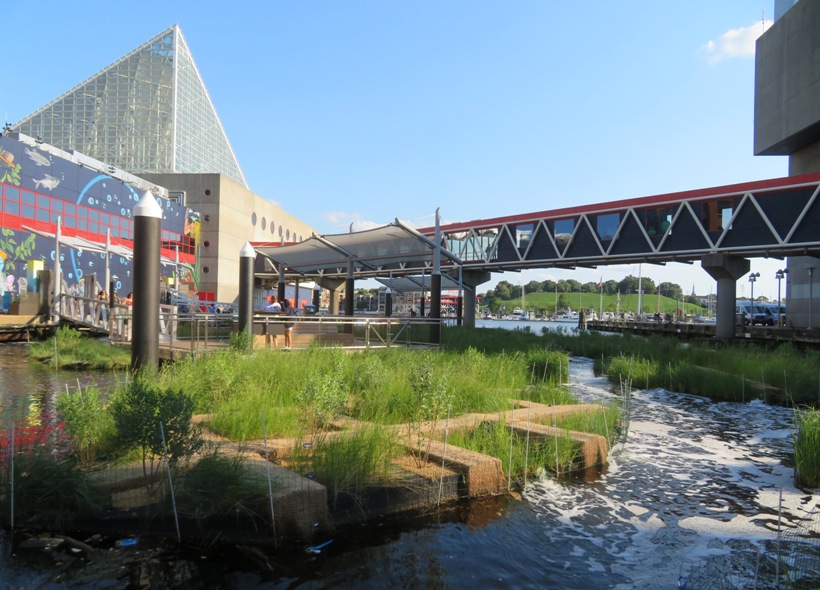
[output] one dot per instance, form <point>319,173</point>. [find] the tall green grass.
<point>807,448</point>
<point>348,464</point>
<point>521,457</point>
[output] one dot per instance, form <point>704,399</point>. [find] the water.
<point>695,481</point>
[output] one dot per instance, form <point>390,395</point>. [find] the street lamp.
<point>780,275</point>
<point>752,278</point>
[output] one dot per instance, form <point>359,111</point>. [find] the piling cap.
<point>148,207</point>
<point>247,251</point>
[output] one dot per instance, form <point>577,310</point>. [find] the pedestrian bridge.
<point>768,218</point>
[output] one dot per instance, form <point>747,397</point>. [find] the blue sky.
<point>361,112</point>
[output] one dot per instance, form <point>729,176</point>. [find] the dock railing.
<point>198,331</point>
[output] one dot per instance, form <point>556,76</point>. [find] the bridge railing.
<point>115,320</point>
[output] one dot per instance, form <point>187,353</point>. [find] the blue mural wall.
<point>38,187</point>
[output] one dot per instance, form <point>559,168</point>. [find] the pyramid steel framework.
<point>147,112</point>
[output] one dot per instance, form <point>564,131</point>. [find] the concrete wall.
<point>230,216</point>
<point>787,122</point>
<point>787,83</point>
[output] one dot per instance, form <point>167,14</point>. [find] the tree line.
<point>505,290</point>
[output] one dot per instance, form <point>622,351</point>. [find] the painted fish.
<point>7,158</point>
<point>38,158</point>
<point>49,182</point>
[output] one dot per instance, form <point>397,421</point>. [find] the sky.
<point>361,112</point>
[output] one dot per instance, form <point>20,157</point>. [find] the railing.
<point>115,320</point>
<point>361,331</point>
<point>196,332</point>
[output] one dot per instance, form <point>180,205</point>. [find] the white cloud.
<point>346,221</point>
<point>735,43</point>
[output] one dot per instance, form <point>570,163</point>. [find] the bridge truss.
<point>770,218</point>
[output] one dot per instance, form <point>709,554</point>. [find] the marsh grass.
<point>348,464</point>
<point>69,349</point>
<point>219,484</point>
<point>521,458</point>
<point>87,422</point>
<point>52,490</point>
<point>807,448</point>
<point>604,423</point>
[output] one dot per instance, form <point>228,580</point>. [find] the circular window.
<point>264,223</point>
<point>253,218</point>
<point>287,235</point>
<point>206,269</point>
<point>207,192</point>
<point>272,227</point>
<point>206,243</point>
<point>280,231</point>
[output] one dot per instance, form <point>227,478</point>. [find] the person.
<point>102,296</point>
<point>273,306</point>
<point>288,309</point>
<point>128,302</point>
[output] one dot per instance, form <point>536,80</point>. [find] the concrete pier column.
<point>145,309</point>
<point>471,280</point>
<point>246,259</point>
<point>726,270</point>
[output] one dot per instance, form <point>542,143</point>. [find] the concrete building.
<point>230,216</point>
<point>787,122</point>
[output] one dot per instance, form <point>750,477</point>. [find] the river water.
<point>689,500</point>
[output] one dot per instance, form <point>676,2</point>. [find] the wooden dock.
<point>693,331</point>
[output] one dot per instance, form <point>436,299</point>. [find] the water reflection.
<point>28,387</point>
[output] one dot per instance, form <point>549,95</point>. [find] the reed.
<point>348,464</point>
<point>521,459</point>
<point>220,484</point>
<point>807,448</point>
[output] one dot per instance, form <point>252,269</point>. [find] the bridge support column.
<point>471,280</point>
<point>332,285</point>
<point>726,270</point>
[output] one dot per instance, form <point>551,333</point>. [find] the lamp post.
<point>752,278</point>
<point>780,275</point>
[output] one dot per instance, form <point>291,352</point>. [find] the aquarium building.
<point>146,122</point>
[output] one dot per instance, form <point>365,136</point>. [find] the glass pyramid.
<point>147,112</point>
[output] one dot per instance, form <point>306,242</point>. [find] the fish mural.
<point>49,182</point>
<point>38,158</point>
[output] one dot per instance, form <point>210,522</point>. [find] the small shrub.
<point>138,410</point>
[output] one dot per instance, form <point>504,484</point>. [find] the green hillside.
<point>544,303</point>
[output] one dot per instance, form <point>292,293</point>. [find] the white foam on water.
<point>694,480</point>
